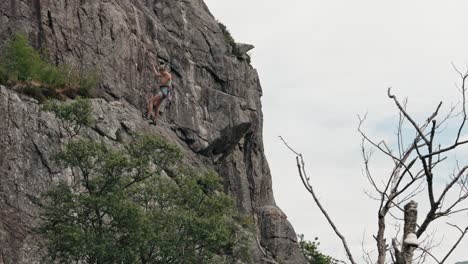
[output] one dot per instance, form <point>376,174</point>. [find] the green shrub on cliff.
<point>74,114</point>
<point>21,62</point>
<point>23,66</point>
<point>311,252</point>
<point>229,39</point>
<point>120,208</point>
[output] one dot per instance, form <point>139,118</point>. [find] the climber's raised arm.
<point>155,71</point>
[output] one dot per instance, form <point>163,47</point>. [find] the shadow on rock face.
<point>229,138</point>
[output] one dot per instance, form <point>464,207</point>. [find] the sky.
<point>322,63</point>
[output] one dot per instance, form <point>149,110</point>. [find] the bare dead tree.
<point>413,173</point>
<point>414,158</point>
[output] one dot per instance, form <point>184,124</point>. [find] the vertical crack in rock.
<point>13,9</point>
<point>42,157</point>
<point>40,29</point>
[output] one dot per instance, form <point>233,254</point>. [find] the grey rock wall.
<point>215,116</point>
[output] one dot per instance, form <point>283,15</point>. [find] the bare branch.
<point>306,182</point>
<point>402,110</point>
<point>463,233</point>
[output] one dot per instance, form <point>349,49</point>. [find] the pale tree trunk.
<point>381,241</point>
<point>405,256</point>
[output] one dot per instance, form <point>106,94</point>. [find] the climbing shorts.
<point>163,91</point>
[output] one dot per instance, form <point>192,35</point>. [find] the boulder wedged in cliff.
<point>215,116</point>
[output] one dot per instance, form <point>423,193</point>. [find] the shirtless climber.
<point>165,86</point>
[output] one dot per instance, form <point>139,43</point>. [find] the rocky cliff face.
<point>215,116</point>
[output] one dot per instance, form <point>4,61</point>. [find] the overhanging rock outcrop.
<point>215,117</point>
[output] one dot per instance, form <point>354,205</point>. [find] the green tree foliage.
<point>74,114</point>
<point>120,208</point>
<point>312,253</point>
<point>20,63</point>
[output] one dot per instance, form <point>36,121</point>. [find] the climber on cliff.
<point>165,85</point>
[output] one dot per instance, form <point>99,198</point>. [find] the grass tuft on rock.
<point>229,39</point>
<point>23,67</point>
